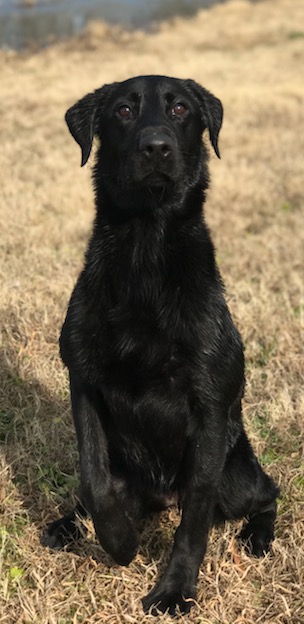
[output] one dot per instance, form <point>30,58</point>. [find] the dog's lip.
<point>157,179</point>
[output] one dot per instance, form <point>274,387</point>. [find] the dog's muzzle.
<point>156,157</point>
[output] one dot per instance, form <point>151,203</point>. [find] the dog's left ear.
<point>211,111</point>
<point>82,119</point>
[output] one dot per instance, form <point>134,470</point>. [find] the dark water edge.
<point>39,22</point>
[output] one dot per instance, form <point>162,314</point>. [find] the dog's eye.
<point>178,110</point>
<point>125,111</point>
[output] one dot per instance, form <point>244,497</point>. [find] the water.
<point>23,22</point>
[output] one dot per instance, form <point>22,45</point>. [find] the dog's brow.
<point>169,97</point>
<point>134,96</point>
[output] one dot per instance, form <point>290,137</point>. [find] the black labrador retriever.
<point>156,364</point>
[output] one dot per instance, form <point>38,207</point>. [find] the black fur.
<point>156,364</point>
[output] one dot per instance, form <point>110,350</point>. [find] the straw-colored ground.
<point>252,57</point>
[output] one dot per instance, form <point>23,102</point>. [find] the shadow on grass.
<point>37,437</point>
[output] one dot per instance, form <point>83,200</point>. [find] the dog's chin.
<point>157,182</point>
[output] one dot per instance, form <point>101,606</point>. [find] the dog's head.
<point>150,130</point>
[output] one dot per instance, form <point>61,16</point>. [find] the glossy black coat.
<point>155,361</point>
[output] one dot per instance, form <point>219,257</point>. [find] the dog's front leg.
<point>203,466</point>
<point>113,527</point>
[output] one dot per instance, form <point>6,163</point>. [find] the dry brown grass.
<point>252,56</point>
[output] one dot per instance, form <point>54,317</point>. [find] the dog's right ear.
<point>80,119</point>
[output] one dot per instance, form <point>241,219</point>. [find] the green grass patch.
<point>8,534</point>
<point>270,455</point>
<point>277,448</point>
<point>298,483</point>
<point>287,206</point>
<point>8,425</point>
<point>267,351</point>
<point>299,311</point>
<point>296,34</point>
<point>53,480</point>
<point>16,573</point>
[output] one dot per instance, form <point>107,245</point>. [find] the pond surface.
<point>23,22</point>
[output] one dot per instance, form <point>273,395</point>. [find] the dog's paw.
<point>161,599</point>
<point>257,539</point>
<point>61,533</point>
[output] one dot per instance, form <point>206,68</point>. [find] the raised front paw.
<point>168,600</point>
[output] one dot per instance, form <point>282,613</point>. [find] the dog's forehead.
<point>149,87</point>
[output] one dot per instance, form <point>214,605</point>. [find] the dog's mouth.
<point>157,180</point>
<point>147,179</point>
<point>156,177</point>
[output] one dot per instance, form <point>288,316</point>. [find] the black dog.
<point>156,364</point>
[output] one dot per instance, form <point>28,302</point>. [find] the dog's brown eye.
<point>178,109</point>
<point>125,111</point>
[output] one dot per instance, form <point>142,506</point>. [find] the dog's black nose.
<point>155,145</point>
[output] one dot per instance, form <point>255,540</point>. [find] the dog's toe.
<point>52,541</point>
<point>61,533</point>
<point>167,601</point>
<point>257,539</point>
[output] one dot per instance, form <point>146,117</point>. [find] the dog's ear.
<point>80,119</point>
<point>83,117</point>
<point>211,112</point>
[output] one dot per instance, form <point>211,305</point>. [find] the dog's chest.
<point>137,322</point>
<point>145,374</point>
<point>140,348</point>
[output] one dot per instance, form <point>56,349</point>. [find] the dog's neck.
<point>159,207</point>
<point>148,246</point>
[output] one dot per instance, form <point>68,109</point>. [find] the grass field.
<point>252,57</point>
